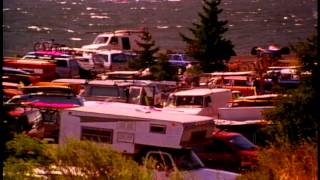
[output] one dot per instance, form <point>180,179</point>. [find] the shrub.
<point>286,161</point>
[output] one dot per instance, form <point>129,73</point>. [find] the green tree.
<point>208,44</point>
<point>146,53</point>
<point>296,117</point>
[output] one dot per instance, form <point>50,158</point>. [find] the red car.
<point>228,151</point>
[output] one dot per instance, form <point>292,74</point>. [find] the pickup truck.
<point>180,60</point>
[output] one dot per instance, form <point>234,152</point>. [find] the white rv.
<point>120,40</point>
<point>141,131</point>
<point>199,101</point>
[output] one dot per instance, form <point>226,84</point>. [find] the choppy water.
<point>77,22</point>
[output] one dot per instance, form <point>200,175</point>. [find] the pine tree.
<point>208,44</point>
<point>146,53</point>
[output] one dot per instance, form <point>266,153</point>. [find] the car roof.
<point>199,91</point>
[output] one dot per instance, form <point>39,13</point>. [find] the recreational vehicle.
<point>120,40</point>
<point>140,131</point>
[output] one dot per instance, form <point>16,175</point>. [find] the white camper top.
<point>135,112</point>
<point>199,92</point>
<point>108,82</point>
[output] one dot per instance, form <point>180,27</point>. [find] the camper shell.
<point>200,101</point>
<point>143,132</point>
<point>142,92</point>
<point>128,127</point>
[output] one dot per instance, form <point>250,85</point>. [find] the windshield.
<point>241,142</point>
<point>189,100</point>
<point>187,160</point>
<point>100,40</point>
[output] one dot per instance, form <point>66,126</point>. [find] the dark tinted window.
<point>125,43</point>
<point>96,134</point>
<point>61,63</point>
<point>242,142</point>
<point>119,58</point>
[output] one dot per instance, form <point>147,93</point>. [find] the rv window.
<point>104,91</point>
<point>190,100</point>
<point>50,116</point>
<point>156,128</point>
<point>101,40</point>
<point>97,134</point>
<point>114,40</point>
<point>198,135</point>
<point>118,58</point>
<point>125,43</point>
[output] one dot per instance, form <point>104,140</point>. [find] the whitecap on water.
<point>70,31</point>
<point>179,26</point>
<point>100,17</point>
<point>63,2</point>
<point>75,39</point>
<point>162,27</point>
<point>90,8</point>
<point>173,0</point>
<point>5,9</point>
<point>34,28</point>
<point>46,28</point>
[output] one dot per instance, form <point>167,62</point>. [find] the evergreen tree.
<point>297,117</point>
<point>146,53</point>
<point>208,44</point>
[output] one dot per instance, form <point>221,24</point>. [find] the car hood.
<point>209,174</point>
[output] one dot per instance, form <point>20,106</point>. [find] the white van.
<point>106,60</point>
<point>120,39</point>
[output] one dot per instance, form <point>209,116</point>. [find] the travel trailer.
<point>117,40</point>
<point>199,101</point>
<point>144,132</point>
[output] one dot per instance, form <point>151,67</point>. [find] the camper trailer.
<point>141,131</point>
